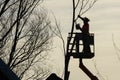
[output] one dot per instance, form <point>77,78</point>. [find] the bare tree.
<point>25,36</point>
<point>58,33</point>
<point>80,7</point>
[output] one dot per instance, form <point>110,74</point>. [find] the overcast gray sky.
<point>104,22</point>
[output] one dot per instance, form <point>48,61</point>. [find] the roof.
<point>6,73</point>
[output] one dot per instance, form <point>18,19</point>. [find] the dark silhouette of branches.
<point>25,36</point>
<point>58,33</point>
<point>3,5</point>
<point>25,7</point>
<point>86,5</point>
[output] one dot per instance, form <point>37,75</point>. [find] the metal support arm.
<point>87,72</point>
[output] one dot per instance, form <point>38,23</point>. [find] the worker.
<point>85,34</point>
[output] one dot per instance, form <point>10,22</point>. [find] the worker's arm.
<point>80,17</point>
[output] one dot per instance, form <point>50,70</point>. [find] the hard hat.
<point>86,19</point>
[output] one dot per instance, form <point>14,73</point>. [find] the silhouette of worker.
<point>53,76</point>
<point>85,33</point>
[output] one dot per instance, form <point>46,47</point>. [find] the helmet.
<point>86,19</point>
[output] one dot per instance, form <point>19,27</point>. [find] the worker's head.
<point>86,19</point>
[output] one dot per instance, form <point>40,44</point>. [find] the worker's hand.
<point>77,26</point>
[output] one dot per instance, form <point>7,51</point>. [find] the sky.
<point>104,23</point>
